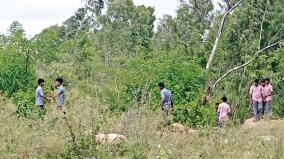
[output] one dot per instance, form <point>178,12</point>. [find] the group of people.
<point>260,96</point>
<point>60,94</point>
<point>223,109</point>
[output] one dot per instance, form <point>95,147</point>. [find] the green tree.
<point>47,43</point>
<point>188,31</point>
<point>125,29</point>
<point>166,36</point>
<point>16,27</point>
<point>16,61</point>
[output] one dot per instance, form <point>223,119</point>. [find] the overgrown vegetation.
<point>112,63</point>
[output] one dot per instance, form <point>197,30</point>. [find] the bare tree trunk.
<point>27,67</point>
<point>215,45</point>
<point>220,31</point>
<point>261,26</point>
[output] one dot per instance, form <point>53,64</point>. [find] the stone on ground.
<point>264,123</point>
<point>177,127</point>
<point>109,138</point>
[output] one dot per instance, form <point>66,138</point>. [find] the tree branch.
<point>261,26</point>
<point>234,69</point>
<point>245,64</point>
<point>206,41</point>
<point>269,46</point>
<point>275,35</point>
<point>220,31</point>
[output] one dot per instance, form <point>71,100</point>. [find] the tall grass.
<point>146,136</point>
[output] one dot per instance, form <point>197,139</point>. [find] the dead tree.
<point>219,34</point>
<point>215,45</point>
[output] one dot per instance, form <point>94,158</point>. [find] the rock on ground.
<point>251,123</point>
<point>109,138</point>
<point>177,127</point>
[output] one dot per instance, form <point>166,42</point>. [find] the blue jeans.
<point>257,109</point>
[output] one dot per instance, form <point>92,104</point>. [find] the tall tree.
<point>15,27</point>
<point>125,29</point>
<point>16,61</point>
<point>189,29</point>
<point>166,37</point>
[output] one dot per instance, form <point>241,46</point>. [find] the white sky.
<point>35,15</point>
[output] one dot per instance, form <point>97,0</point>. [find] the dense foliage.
<point>134,57</point>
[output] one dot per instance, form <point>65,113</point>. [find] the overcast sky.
<point>36,15</point>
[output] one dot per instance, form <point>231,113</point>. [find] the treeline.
<point>113,46</point>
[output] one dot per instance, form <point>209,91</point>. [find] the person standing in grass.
<point>39,94</point>
<point>224,110</point>
<point>166,102</point>
<point>60,94</point>
<point>256,99</point>
<point>267,97</point>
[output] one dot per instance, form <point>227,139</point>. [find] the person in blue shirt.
<point>166,102</point>
<point>60,94</point>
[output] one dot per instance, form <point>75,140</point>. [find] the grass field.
<point>146,138</point>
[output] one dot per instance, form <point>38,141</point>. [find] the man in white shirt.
<point>39,94</point>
